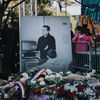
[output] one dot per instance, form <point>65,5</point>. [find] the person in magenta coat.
<point>82,39</point>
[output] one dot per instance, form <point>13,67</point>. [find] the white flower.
<point>67,86</point>
<point>93,71</point>
<point>98,83</point>
<point>25,75</point>
<point>42,83</point>
<point>52,76</point>
<point>6,96</point>
<point>89,91</point>
<point>9,78</point>
<point>61,73</point>
<point>11,84</point>
<point>88,75</point>
<point>73,88</point>
<point>47,77</point>
<point>69,72</point>
<point>23,79</point>
<point>92,98</point>
<point>8,85</point>
<point>33,82</point>
<point>40,79</point>
<point>58,76</point>
<point>80,93</point>
<point>48,71</point>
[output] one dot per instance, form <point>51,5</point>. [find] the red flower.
<point>80,88</point>
<point>71,94</point>
<point>60,91</point>
<point>17,93</point>
<point>14,89</point>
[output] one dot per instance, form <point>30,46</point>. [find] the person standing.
<point>82,39</point>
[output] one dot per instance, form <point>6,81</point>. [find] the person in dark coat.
<point>45,43</point>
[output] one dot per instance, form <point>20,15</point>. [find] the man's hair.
<point>48,28</point>
<point>79,28</point>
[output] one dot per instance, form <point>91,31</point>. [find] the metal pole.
<point>90,58</point>
<point>57,9</point>
<point>23,8</point>
<point>1,1</point>
<point>19,36</point>
<point>35,7</point>
<point>31,7</point>
<point>66,7</point>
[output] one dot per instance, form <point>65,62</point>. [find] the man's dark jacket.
<point>43,42</point>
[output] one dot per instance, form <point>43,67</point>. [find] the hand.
<point>34,47</point>
<point>46,47</point>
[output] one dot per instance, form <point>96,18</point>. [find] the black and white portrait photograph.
<point>45,42</point>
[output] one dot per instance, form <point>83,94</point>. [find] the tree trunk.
<point>0,22</point>
<point>1,15</point>
<point>3,7</point>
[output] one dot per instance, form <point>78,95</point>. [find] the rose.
<point>80,88</point>
<point>71,94</point>
<point>60,90</point>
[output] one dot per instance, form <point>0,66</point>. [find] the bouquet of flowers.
<point>44,83</point>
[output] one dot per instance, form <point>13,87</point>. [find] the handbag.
<point>52,53</point>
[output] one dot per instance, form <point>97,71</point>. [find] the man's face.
<point>44,31</point>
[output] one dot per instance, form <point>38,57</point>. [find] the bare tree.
<point>3,6</point>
